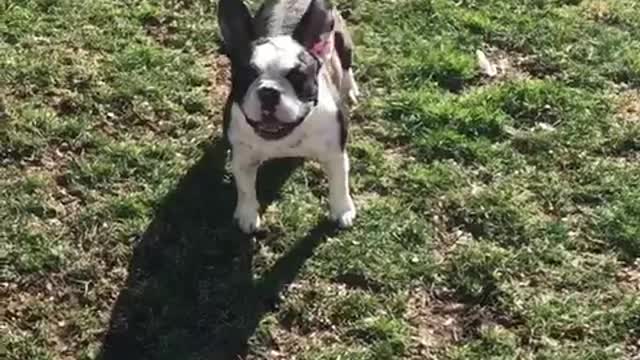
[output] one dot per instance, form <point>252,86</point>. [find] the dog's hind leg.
<point>344,49</point>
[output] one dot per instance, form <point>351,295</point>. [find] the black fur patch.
<point>345,53</point>
<point>226,119</point>
<point>317,20</point>
<point>304,78</point>
<point>343,121</point>
<point>242,76</point>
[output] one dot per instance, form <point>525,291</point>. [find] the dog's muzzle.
<point>270,128</point>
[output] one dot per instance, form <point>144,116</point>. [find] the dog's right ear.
<point>236,28</point>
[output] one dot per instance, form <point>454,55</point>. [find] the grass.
<point>499,217</point>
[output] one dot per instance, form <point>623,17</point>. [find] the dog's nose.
<point>269,97</point>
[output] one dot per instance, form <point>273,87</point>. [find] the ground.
<point>499,216</point>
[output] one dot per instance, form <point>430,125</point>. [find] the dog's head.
<point>275,61</point>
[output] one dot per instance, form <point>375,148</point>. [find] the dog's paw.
<point>247,219</point>
<point>346,220</point>
<point>353,95</point>
<point>344,215</point>
<point>350,87</point>
<point>354,92</point>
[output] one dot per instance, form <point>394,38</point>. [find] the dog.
<point>291,81</point>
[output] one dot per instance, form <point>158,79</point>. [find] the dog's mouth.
<point>270,128</point>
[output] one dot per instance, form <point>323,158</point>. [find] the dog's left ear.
<point>315,29</point>
<point>236,27</point>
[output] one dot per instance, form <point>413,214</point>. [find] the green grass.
<point>499,218</point>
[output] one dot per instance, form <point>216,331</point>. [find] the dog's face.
<point>281,82</point>
<point>274,78</point>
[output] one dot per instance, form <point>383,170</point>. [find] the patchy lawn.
<point>499,216</point>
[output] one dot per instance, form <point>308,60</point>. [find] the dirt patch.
<point>161,28</point>
<point>507,66</point>
<point>440,319</point>
<point>510,66</point>
<point>284,344</point>
<point>399,155</point>
<point>304,322</point>
<point>628,278</point>
<point>632,348</point>
<point>219,69</point>
<point>61,194</point>
<point>436,324</point>
<point>605,12</point>
<point>447,235</point>
<point>58,311</point>
<point>628,106</point>
<point>67,306</point>
<point>598,10</point>
<point>359,281</point>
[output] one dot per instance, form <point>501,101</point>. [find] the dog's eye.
<point>244,76</point>
<point>304,84</point>
<point>251,72</point>
<point>296,78</point>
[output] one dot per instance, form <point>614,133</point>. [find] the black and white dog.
<point>291,75</point>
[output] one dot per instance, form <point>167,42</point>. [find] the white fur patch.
<point>349,87</point>
<point>276,53</point>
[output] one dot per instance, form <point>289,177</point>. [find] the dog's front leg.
<point>245,169</point>
<point>341,205</point>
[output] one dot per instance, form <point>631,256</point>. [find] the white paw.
<point>344,215</point>
<point>248,219</point>
<point>353,95</point>
<point>350,87</point>
<point>347,218</point>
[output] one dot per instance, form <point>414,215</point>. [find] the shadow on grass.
<point>191,293</point>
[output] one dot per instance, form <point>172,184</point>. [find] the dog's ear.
<point>315,28</point>
<point>236,28</point>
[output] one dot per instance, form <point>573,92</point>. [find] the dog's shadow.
<point>191,293</point>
